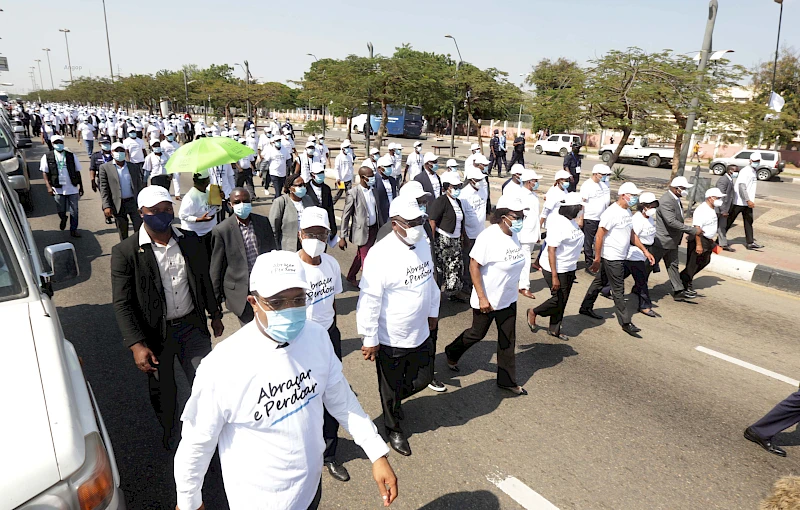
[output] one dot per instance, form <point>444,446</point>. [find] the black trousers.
<point>244,179</point>
<point>670,258</point>
<point>499,161</point>
<point>554,307</point>
<point>781,417</point>
<point>188,339</point>
<point>589,233</point>
<point>640,271</point>
<point>127,210</point>
<point>506,320</point>
<point>613,272</point>
<point>466,247</point>
<point>747,216</point>
<point>401,374</point>
<point>694,262</point>
<point>518,157</point>
<point>330,427</point>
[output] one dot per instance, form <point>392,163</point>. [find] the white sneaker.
<point>437,386</point>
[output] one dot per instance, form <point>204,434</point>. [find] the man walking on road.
<point>519,151</point>
<point>669,234</point>
<point>572,164</point>
<point>781,417</point>
<point>725,185</point>
<point>700,246</point>
<point>162,291</point>
<point>61,171</point>
<point>745,190</point>
<point>596,196</point>
<point>494,155</point>
<point>120,184</point>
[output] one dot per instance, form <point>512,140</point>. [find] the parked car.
<point>559,144</point>
<point>771,163</point>
<point>639,150</point>
<point>56,451</point>
<point>23,140</point>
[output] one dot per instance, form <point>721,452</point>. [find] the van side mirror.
<point>63,262</point>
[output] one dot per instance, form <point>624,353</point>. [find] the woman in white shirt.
<point>636,263</point>
<point>495,264</point>
<point>446,216</point>
<point>558,263</point>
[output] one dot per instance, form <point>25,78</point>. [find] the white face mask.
<point>313,247</point>
<point>684,193</point>
<point>651,212</point>
<point>413,234</point>
<point>718,203</point>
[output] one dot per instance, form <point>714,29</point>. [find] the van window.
<point>743,155</point>
<point>768,156</point>
<point>565,139</point>
<point>553,138</point>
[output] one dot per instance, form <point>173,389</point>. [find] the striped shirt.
<point>250,246</point>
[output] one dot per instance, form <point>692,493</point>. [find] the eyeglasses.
<point>318,237</point>
<point>281,304</point>
<point>413,223</point>
<point>514,216</point>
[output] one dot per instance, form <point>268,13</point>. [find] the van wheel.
<point>606,157</point>
<point>563,152</point>
<point>764,174</point>
<point>718,169</point>
<point>538,149</point>
<point>654,161</point>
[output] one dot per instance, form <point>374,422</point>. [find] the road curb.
<point>759,274</point>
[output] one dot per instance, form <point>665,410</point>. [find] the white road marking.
<point>749,366</point>
<point>521,493</point>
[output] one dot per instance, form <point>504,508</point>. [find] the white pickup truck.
<point>639,150</point>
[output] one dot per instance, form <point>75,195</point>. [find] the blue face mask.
<point>536,185</point>
<point>516,225</point>
<point>633,201</point>
<point>605,179</point>
<point>58,146</point>
<point>387,171</point>
<point>734,175</point>
<point>435,167</point>
<point>158,222</point>
<point>299,191</point>
<point>105,146</point>
<point>455,192</point>
<point>277,145</point>
<point>171,138</point>
<point>565,186</point>
<point>319,178</point>
<point>157,150</point>
<point>242,209</point>
<point>284,325</point>
<point>132,134</point>
<point>119,155</point>
<point>371,181</point>
<point>424,209</point>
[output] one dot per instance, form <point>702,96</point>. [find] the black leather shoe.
<point>764,443</point>
<point>630,329</point>
<point>728,248</point>
<point>338,471</point>
<point>62,224</point>
<point>399,443</point>
<point>590,313</point>
<point>681,296</point>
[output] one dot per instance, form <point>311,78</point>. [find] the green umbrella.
<point>206,153</point>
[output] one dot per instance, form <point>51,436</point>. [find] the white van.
<point>559,144</point>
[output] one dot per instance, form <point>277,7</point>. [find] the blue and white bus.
<point>404,121</point>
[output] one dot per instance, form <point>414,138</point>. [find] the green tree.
<point>785,125</point>
<point>558,96</point>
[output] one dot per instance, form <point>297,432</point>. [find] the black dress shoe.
<point>590,313</point>
<point>630,329</point>
<point>681,296</point>
<point>754,246</point>
<point>338,471</point>
<point>728,248</point>
<point>649,313</point>
<point>399,443</point>
<point>764,443</point>
<point>63,224</point>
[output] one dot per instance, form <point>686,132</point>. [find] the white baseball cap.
<point>629,188</point>
<point>680,182</point>
<point>391,146</point>
<point>312,138</point>
<point>474,146</point>
<point>756,156</point>
<point>601,169</point>
<point>405,207</point>
<point>56,138</point>
<point>413,189</point>
<point>201,174</point>
<point>428,157</point>
<point>562,174</point>
<point>309,144</point>
<point>314,217</point>
<point>451,163</point>
<point>480,159</point>
<point>385,161</point>
<point>572,198</point>
<point>512,202</point>
<point>276,271</point>
<point>647,198</point>
<point>345,143</point>
<point>517,169</point>
<point>152,195</point>
<point>713,192</point>
<point>472,173</point>
<point>417,144</point>
<point>374,150</point>
<point>117,145</point>
<point>528,175</point>
<point>451,178</point>
<point>317,168</point>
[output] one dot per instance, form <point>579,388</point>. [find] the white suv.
<point>56,451</point>
<point>559,144</point>
<point>771,163</point>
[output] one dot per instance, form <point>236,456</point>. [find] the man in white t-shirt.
<point>700,246</point>
<point>614,237</point>
<point>343,168</point>
<point>596,196</point>
<point>474,196</point>
<point>87,130</point>
<point>254,399</point>
<point>276,166</point>
<point>324,278</point>
<point>398,336</point>
<point>413,163</point>
<point>134,146</point>
<point>745,190</point>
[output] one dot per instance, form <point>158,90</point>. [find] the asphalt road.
<point>611,421</point>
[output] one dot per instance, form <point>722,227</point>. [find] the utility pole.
<point>41,81</point>
<point>108,42</point>
<point>247,83</point>
<point>455,101</point>
<point>47,51</point>
<point>368,125</point>
<point>713,7</point>
<point>69,62</point>
<point>32,73</point>
<point>775,66</point>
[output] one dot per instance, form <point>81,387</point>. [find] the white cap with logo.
<point>629,188</point>
<point>512,202</point>
<point>680,182</point>
<point>314,217</point>
<point>413,189</point>
<point>276,271</point>
<point>405,207</point>
<point>152,195</point>
<point>714,192</point>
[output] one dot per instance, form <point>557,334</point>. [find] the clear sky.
<point>149,35</point>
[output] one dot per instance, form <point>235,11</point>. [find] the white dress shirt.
<point>371,205</point>
<point>174,275</point>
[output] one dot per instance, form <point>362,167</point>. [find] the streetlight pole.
<point>47,51</point>
<point>455,101</point>
<point>69,62</point>
<point>713,7</point>
<point>519,120</point>
<point>246,69</point>
<point>323,103</point>
<point>32,72</point>
<point>368,126</point>
<point>108,42</point>
<point>41,81</point>
<point>775,66</point>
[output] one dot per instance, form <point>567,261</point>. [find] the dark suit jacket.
<point>230,276</point>
<point>725,185</point>
<point>382,199</point>
<point>327,203</point>
<point>138,294</point>
<point>422,178</point>
<point>669,222</point>
<point>110,191</point>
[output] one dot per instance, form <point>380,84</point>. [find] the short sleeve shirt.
<point>619,224</point>
<point>502,261</point>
